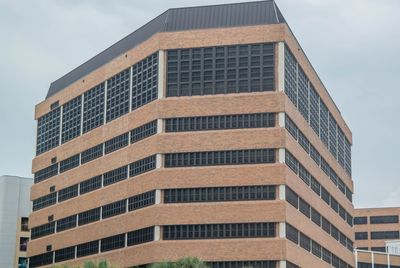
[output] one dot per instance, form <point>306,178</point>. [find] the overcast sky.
<point>353,45</point>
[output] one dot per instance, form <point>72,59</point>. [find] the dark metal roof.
<point>178,19</point>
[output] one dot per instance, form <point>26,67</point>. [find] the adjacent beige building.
<point>15,207</point>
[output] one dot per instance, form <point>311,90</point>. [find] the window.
<point>71,119</point>
<point>315,186</point>
<point>315,217</point>
<point>340,146</point>
<point>361,235</point>
<point>290,76</point>
<point>22,262</point>
<point>115,175</point>
<point>241,264</point>
<point>112,242</point>
<point>316,249</point>
<point>302,91</point>
<point>144,131</point>
<point>41,260</point>
<point>48,131</point>
<point>66,223</point>
<point>23,243</point>
<point>385,235</point>
<point>379,249</point>
<point>46,173</point>
<point>64,254</point>
<point>291,265</point>
<point>218,231</point>
<point>334,232</point>
<point>142,166</point>
<point>141,200</point>
<point>218,194</point>
<point>87,249</point>
<point>303,141</point>
<point>291,162</point>
<point>89,216</point>
<point>43,230</point>
<point>292,197</point>
<point>218,69</point>
<point>326,255</point>
<point>92,153</point>
<point>118,95</point>
<point>113,209</point>
<point>144,81</point>
<point>292,234</point>
<point>93,108</point>
<point>315,155</point>
<point>384,219</point>
<point>24,224</point>
<point>347,158</point>
<point>349,219</point>
<point>68,193</point>
<point>200,123</point>
<point>116,143</point>
<point>326,225</point>
<point>141,236</point>
<point>235,157</point>
<point>90,185</point>
<point>69,163</point>
<point>314,109</point>
<point>44,201</point>
<point>305,242</point>
<point>325,196</point>
<point>304,174</point>
<point>304,208</point>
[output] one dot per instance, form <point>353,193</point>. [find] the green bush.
<point>186,262</point>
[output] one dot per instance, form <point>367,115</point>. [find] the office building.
<point>206,132</point>
<point>15,207</point>
<point>378,259</point>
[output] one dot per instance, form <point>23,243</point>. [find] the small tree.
<point>191,262</point>
<point>101,264</point>
<point>186,262</point>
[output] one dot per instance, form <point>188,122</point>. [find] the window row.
<point>378,235</point>
<point>375,265</point>
<point>234,157</point>
<point>220,70</point>
<point>96,214</point>
<point>132,238</point>
<point>312,246</point>
<point>317,188</point>
<point>217,122</point>
<point>219,231</point>
<point>105,102</point>
<point>310,105</point>
<point>316,156</point>
<point>317,218</point>
<point>97,151</point>
<point>387,219</point>
<point>242,264</point>
<point>218,194</point>
<point>97,182</point>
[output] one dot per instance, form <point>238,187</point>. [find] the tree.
<point>186,262</point>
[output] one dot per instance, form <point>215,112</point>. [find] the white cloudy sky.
<point>353,45</point>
